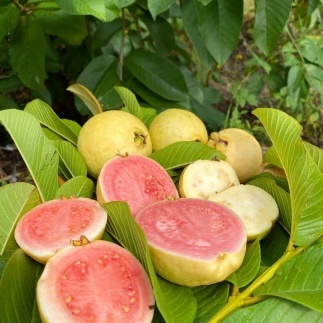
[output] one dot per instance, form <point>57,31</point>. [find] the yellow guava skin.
<point>111,133</point>
<point>242,150</point>
<point>173,125</point>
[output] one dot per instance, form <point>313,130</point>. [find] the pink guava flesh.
<point>135,179</point>
<point>51,225</point>
<point>99,282</point>
<point>192,227</point>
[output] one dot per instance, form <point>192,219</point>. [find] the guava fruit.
<point>242,150</point>
<point>203,178</point>
<point>97,282</point>
<point>137,180</point>
<point>256,207</point>
<point>109,133</point>
<point>193,241</point>
<point>174,125</point>
<point>50,226</point>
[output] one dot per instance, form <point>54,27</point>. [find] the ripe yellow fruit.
<point>175,125</point>
<point>242,150</point>
<point>112,133</point>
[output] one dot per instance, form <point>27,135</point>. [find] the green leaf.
<point>15,200</point>
<point>7,103</point>
<point>249,267</point>
<point>130,101</point>
<point>190,21</point>
<point>210,299</point>
<point>27,52</point>
<point>157,7</point>
<point>168,81</point>
<point>78,186</point>
<point>275,310</point>
<point>123,3</point>
<point>316,153</point>
<point>57,22</point>
<point>18,289</point>
<point>9,17</point>
<point>180,154</point>
<point>176,303</point>
<point>219,23</point>
<point>47,117</point>
<point>95,8</point>
<point>299,279</point>
<point>270,19</point>
<point>36,150</point>
<point>71,162</point>
<point>87,97</point>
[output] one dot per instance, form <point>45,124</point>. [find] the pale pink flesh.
<point>137,180</point>
<point>100,282</point>
<point>192,228</point>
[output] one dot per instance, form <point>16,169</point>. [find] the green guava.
<point>110,133</point>
<point>193,241</point>
<point>173,125</point>
<point>97,282</point>
<point>50,226</point>
<point>137,180</point>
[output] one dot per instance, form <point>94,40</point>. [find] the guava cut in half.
<point>110,133</point>
<point>50,226</point>
<point>97,282</point>
<point>137,180</point>
<point>203,178</point>
<point>256,207</point>
<point>173,125</point>
<point>193,241</point>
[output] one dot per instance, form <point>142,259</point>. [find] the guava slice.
<point>193,241</point>
<point>256,207</point>
<point>135,179</point>
<point>50,226</point>
<point>203,178</point>
<point>98,282</point>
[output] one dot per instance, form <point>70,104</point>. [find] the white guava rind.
<point>120,287</point>
<point>42,245</point>
<point>193,242</point>
<point>256,207</point>
<point>242,150</point>
<point>112,133</point>
<point>203,178</point>
<point>173,125</point>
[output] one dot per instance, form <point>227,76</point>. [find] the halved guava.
<point>98,282</point>
<point>50,226</point>
<point>256,207</point>
<point>193,241</point>
<point>135,179</point>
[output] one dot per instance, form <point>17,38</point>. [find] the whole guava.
<point>110,133</point>
<point>173,125</point>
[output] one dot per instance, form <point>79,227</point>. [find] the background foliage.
<point>217,58</point>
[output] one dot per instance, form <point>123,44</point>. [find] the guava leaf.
<point>168,82</point>
<point>176,303</point>
<point>73,125</point>
<point>15,200</point>
<point>87,97</point>
<point>299,279</point>
<point>182,153</point>
<point>78,186</point>
<point>275,310</point>
<point>130,101</point>
<point>48,118</point>
<point>282,198</point>
<point>36,150</point>
<point>148,115</point>
<point>9,17</point>
<point>316,153</point>
<point>158,6</point>
<point>210,299</point>
<point>72,162</point>
<point>95,8</point>
<point>249,267</point>
<point>18,289</point>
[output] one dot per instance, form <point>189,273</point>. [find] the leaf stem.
<point>245,298</point>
